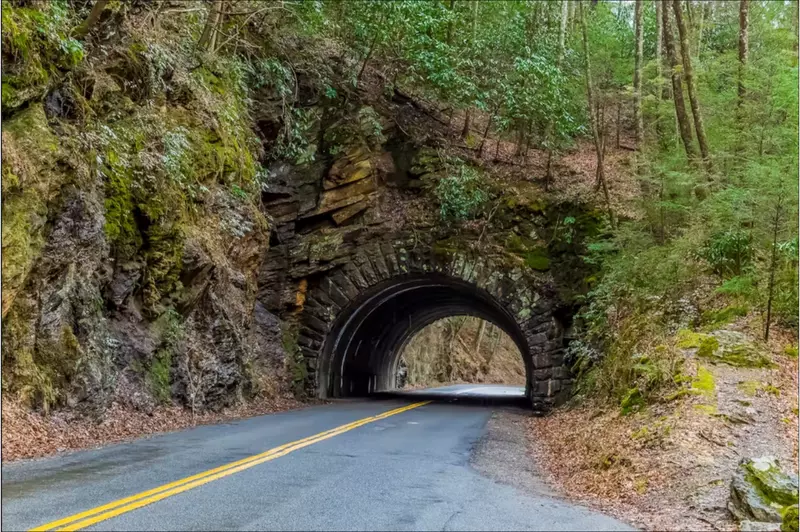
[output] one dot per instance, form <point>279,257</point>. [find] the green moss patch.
<point>688,339</point>
<point>716,318</point>
<point>704,382</point>
<point>631,402</point>
<point>738,355</point>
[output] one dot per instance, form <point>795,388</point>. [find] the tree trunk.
<point>465,131</point>
<point>450,23</point>
<point>211,24</point>
<point>598,143</point>
<point>744,43</point>
<point>660,94</point>
<point>684,126</point>
<point>87,25</point>
<point>691,84</point>
<point>486,132</point>
<point>637,76</point>
<point>467,121</point>
<point>562,35</point>
<point>480,338</point>
<point>776,220</point>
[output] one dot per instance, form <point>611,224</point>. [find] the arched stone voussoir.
<point>359,315</point>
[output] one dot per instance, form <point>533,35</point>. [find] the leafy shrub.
<point>461,193</point>
<point>729,253</point>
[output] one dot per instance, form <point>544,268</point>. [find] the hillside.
<point>195,193</point>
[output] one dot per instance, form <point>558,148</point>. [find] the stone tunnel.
<point>356,276</point>
<point>355,318</point>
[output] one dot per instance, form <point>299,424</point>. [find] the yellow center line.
<point>127,504</point>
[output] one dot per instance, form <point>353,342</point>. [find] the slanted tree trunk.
<point>212,21</point>
<point>637,76</point>
<point>562,35</point>
<point>684,126</point>
<point>593,113</point>
<point>87,25</point>
<point>744,43</point>
<point>691,84</point>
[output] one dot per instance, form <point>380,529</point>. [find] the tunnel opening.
<point>362,350</point>
<point>460,350</point>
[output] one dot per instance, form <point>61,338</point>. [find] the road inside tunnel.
<point>362,351</point>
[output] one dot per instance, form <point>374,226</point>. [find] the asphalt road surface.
<point>351,465</point>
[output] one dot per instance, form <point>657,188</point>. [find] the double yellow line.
<point>121,506</point>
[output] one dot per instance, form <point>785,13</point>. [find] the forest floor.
<point>669,466</point>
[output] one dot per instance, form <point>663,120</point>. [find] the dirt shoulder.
<point>669,467</point>
<point>28,434</point>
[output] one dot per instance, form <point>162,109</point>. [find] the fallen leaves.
<point>28,434</point>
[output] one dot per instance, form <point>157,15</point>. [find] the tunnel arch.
<point>357,317</point>
<point>362,349</point>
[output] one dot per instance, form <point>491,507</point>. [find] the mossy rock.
<point>704,382</point>
<point>715,318</point>
<point>740,356</point>
<point>760,491</point>
<point>688,339</point>
<point>31,179</point>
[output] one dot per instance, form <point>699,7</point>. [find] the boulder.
<point>760,491</point>
<point>759,526</point>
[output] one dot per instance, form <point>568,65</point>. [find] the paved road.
<point>408,470</point>
<point>471,390</point>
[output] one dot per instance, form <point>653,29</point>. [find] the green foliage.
<point>790,519</point>
<point>461,193</point>
<point>729,253</point>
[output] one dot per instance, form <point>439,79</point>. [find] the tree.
<point>677,88</point>
<point>777,219</point>
<point>599,144</point>
<point>691,84</point>
<point>87,25</point>
<point>743,48</point>
<point>208,36</point>
<point>467,118</point>
<point>637,76</point>
<point>562,34</point>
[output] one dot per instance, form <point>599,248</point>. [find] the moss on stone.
<point>704,382</point>
<point>715,318</point>
<point>708,346</point>
<point>537,261</point>
<point>29,152</point>
<point>738,355</point>
<point>688,339</point>
<point>39,43</point>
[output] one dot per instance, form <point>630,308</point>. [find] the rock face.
<point>760,491</point>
